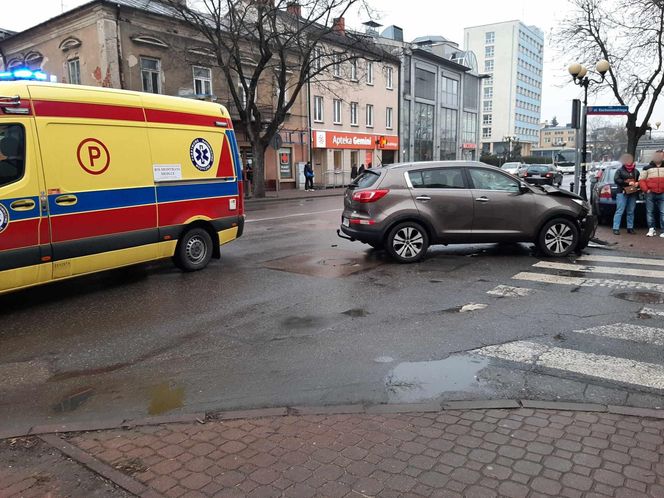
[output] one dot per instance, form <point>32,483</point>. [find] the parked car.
<point>542,174</point>
<point>603,196</point>
<point>512,168</point>
<point>407,207</point>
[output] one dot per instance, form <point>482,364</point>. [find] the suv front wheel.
<point>558,238</point>
<point>407,242</point>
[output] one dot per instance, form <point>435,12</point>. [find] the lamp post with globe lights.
<point>580,77</point>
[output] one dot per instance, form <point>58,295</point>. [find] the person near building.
<point>361,170</point>
<point>353,172</point>
<point>654,164</point>
<point>369,166</point>
<point>627,180</point>
<point>652,183</point>
<point>308,177</point>
<point>249,179</point>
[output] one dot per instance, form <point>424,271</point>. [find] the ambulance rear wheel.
<point>194,250</point>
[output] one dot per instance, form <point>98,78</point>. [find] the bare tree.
<point>629,34</point>
<point>268,52</point>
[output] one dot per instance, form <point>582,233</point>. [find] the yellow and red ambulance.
<point>94,178</point>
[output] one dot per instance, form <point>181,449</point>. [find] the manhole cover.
<point>641,297</point>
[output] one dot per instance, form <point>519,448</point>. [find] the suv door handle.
<point>482,199</point>
<point>423,198</point>
<point>22,205</point>
<point>66,200</point>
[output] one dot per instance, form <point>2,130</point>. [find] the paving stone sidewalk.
<point>468,453</point>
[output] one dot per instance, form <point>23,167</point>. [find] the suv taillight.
<point>605,193</point>
<point>366,196</point>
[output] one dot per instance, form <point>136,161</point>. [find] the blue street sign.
<point>608,110</point>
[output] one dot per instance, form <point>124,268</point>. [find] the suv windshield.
<point>366,179</point>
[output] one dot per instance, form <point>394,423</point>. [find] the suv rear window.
<point>437,178</point>
<point>366,179</point>
<point>538,169</point>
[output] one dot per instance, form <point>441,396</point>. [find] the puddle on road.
<point>356,313</point>
<point>641,297</point>
<point>165,398</point>
<point>421,381</point>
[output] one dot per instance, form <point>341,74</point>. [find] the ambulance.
<point>93,179</point>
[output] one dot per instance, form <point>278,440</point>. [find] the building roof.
<point>441,60</point>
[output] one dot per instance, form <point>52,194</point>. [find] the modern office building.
<point>440,98</point>
<point>511,53</point>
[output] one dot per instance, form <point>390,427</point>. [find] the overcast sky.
<point>417,18</point>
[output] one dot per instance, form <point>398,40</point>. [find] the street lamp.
<point>580,77</point>
<point>510,139</point>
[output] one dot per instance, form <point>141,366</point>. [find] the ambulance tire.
<point>194,250</point>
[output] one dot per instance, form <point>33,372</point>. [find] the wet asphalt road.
<point>294,315</point>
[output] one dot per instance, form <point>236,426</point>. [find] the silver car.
<point>405,208</point>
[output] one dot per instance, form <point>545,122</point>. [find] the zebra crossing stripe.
<point>626,332</point>
<point>587,282</point>
<point>619,259</point>
<point>631,272</point>
<point>593,365</point>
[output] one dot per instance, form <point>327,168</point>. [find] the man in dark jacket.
<point>626,177</point>
<point>308,177</point>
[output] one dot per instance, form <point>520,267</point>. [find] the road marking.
<point>587,282</point>
<point>294,215</point>
<point>631,272</point>
<point>507,291</point>
<point>472,307</point>
<point>590,364</point>
<point>626,332</point>
<point>651,311</point>
<point>620,259</point>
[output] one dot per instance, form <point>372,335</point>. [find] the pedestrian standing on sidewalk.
<point>652,183</point>
<point>627,180</point>
<point>361,170</point>
<point>249,179</point>
<point>353,172</point>
<point>308,177</point>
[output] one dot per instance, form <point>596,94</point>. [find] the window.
<point>423,131</point>
<point>407,60</point>
<point>488,105</point>
<point>488,92</point>
<point>484,179</point>
<point>12,153</point>
<point>337,111</point>
<point>425,84</point>
<point>336,68</point>
<point>370,75</point>
<point>488,65</point>
<point>489,37</point>
<point>448,134</point>
<point>317,55</point>
<point>353,113</point>
<point>202,80</point>
<point>370,116</point>
<point>437,178</point>
<point>389,117</point>
<point>389,76</point>
<point>151,75</point>
<point>487,119</point>
<point>469,127</point>
<point>489,51</point>
<point>74,71</point>
<point>450,92</point>
<point>318,108</point>
<point>486,132</point>
<point>353,70</point>
<point>488,81</point>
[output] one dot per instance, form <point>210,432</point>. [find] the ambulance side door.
<point>98,173</point>
<point>24,237</point>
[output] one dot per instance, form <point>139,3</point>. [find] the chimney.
<point>339,25</point>
<point>294,8</point>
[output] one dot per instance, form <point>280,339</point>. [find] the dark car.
<point>541,174</point>
<point>603,197</point>
<point>407,207</point>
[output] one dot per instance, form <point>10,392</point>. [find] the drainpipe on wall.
<point>118,43</point>
<point>309,124</point>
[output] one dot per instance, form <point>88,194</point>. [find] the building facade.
<point>140,45</point>
<point>511,54</point>
<point>354,113</point>
<point>552,137</point>
<point>440,95</point>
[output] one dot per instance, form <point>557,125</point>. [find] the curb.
<point>356,409</point>
<point>251,200</point>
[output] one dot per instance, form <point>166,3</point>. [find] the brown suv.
<point>407,207</point>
